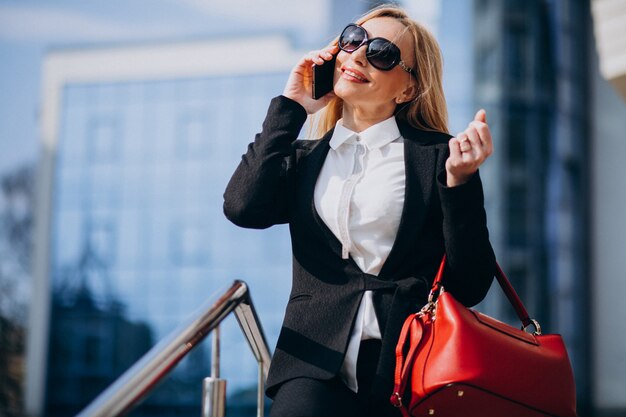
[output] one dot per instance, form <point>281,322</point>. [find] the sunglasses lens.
<point>382,54</point>
<point>351,38</point>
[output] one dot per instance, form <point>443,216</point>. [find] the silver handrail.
<point>132,386</point>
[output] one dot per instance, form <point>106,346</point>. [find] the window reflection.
<point>139,239</point>
<point>103,139</point>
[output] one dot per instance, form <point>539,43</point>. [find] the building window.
<point>517,140</point>
<point>517,8</point>
<point>483,5</point>
<point>517,207</point>
<point>516,53</point>
<point>487,64</point>
<point>91,351</point>
<point>189,243</point>
<point>104,139</point>
<point>102,240</point>
<point>193,137</point>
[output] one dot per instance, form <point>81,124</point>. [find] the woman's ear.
<point>409,93</point>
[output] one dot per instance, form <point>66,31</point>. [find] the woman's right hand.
<point>299,84</point>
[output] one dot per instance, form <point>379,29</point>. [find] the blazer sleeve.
<point>256,195</point>
<point>471,261</point>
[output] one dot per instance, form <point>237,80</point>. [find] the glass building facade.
<point>139,237</point>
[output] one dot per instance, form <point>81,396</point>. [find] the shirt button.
<point>358,139</point>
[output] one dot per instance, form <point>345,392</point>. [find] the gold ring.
<point>466,145</point>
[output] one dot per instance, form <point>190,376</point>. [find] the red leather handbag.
<point>454,361</point>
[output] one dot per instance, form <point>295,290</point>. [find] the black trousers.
<point>307,397</point>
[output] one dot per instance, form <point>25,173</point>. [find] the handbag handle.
<point>506,286</point>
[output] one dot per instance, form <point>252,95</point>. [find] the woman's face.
<point>359,84</point>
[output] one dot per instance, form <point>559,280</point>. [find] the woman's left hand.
<point>468,150</point>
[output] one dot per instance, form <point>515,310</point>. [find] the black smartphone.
<point>323,78</point>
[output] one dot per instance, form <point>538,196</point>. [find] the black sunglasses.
<point>381,53</point>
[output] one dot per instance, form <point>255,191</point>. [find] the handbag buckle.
<point>396,400</point>
<point>431,295</point>
<point>427,310</point>
<point>535,323</point>
<point>430,307</point>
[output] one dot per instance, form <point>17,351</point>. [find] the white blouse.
<point>359,194</point>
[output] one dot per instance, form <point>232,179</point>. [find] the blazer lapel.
<point>420,166</point>
<point>309,167</point>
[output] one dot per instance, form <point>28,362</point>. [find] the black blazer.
<point>274,184</point>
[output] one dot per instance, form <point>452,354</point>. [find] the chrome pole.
<point>249,323</point>
<point>214,388</point>
<point>215,353</point>
<point>260,399</point>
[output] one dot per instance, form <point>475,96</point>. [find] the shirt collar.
<point>374,137</point>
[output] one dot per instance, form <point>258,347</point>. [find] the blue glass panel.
<point>139,240</point>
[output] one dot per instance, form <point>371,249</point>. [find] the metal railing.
<point>132,386</point>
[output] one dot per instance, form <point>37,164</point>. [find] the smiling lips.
<point>353,75</point>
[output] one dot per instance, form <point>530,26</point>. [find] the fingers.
<point>455,148</point>
<point>479,133</point>
<point>315,57</point>
<point>475,138</point>
<point>481,116</point>
<point>468,150</point>
<point>299,83</point>
<point>465,144</point>
<point>461,164</point>
<point>320,56</point>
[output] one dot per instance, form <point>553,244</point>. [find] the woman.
<point>372,207</point>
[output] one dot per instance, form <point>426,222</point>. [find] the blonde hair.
<point>428,109</point>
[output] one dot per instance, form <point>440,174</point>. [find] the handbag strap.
<point>506,286</point>
<point>412,330</point>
